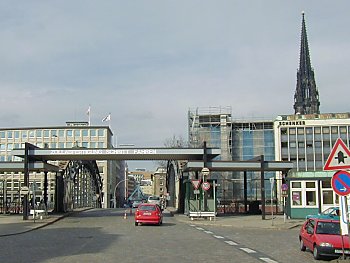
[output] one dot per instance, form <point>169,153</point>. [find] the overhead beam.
<point>119,154</point>
<point>240,166</point>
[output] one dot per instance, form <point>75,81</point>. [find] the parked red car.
<point>148,214</point>
<point>323,238</point>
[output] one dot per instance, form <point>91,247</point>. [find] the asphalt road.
<point>105,236</point>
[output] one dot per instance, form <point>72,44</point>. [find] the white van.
<point>154,199</point>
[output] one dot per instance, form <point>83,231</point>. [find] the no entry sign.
<point>341,183</point>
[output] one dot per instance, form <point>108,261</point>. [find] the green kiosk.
<point>200,198</point>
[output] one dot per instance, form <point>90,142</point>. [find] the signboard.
<point>341,183</point>
<point>284,187</point>
<point>339,158</point>
<point>206,186</point>
<point>24,190</point>
<point>284,193</point>
<point>196,183</point>
<point>205,171</point>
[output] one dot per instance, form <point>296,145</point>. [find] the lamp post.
<point>115,190</point>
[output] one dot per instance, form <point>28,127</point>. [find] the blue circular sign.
<point>341,183</point>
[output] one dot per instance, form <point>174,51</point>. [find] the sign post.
<point>284,195</point>
<point>272,181</point>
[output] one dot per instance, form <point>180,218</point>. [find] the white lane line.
<point>231,243</point>
<point>199,228</point>
<point>208,232</point>
<point>218,237</point>
<point>193,225</point>
<point>248,250</point>
<point>268,260</point>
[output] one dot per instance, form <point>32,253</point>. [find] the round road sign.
<point>24,190</point>
<point>205,171</point>
<point>205,186</point>
<point>341,183</point>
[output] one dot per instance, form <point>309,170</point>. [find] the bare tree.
<point>177,141</point>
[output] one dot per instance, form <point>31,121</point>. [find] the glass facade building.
<point>75,134</point>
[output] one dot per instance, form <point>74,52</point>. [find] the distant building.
<point>74,134</point>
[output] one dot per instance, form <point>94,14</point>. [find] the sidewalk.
<point>13,224</point>
<point>243,221</point>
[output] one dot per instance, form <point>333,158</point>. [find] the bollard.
<point>125,215</point>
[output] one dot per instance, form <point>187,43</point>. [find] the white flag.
<point>107,118</point>
<point>88,110</point>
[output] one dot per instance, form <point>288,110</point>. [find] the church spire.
<point>306,99</point>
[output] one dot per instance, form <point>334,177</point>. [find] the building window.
<point>101,132</point>
<point>54,133</point>
<point>85,133</point>
<point>304,194</point>
<point>69,133</point>
<point>77,133</point>
<point>39,133</point>
<point>46,133</point>
<point>17,134</point>
<point>24,135</point>
<point>325,130</point>
<point>61,133</point>
<point>93,132</point>
<point>10,134</point>
<point>2,135</point>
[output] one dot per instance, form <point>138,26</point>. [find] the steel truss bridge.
<point>80,183</point>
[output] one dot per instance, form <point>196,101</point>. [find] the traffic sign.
<point>341,183</point>
<point>205,171</point>
<point>206,186</point>
<point>24,190</point>
<point>196,183</point>
<point>339,158</point>
<point>284,187</point>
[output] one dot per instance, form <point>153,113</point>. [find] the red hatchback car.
<point>148,214</point>
<point>323,238</point>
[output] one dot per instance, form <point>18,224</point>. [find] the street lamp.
<point>115,190</point>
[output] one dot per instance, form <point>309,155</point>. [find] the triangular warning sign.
<point>339,158</point>
<point>196,184</point>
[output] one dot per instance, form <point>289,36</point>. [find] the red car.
<point>323,238</point>
<point>148,214</point>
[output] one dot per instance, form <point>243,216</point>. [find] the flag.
<point>88,110</point>
<point>107,118</point>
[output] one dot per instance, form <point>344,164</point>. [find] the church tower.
<point>306,99</point>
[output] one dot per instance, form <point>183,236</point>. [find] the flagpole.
<point>89,115</point>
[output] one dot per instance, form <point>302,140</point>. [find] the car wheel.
<point>316,253</point>
<point>136,224</point>
<point>302,246</point>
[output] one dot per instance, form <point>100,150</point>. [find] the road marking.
<point>199,228</point>
<point>231,243</point>
<point>193,225</point>
<point>268,260</point>
<point>248,250</point>
<point>218,236</point>
<point>208,232</point>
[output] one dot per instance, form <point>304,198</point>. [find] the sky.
<point>148,62</point>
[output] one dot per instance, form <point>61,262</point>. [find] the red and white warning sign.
<point>196,183</point>
<point>206,186</point>
<point>339,158</point>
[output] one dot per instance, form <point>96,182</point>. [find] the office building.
<point>74,134</point>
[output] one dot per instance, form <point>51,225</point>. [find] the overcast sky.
<point>147,62</point>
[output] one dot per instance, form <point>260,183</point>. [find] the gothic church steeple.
<point>306,98</point>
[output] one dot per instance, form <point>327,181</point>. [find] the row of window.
<point>11,146</point>
<point>304,194</point>
<point>316,130</point>
<point>47,133</point>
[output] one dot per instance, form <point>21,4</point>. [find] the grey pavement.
<point>244,221</point>
<point>14,224</point>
